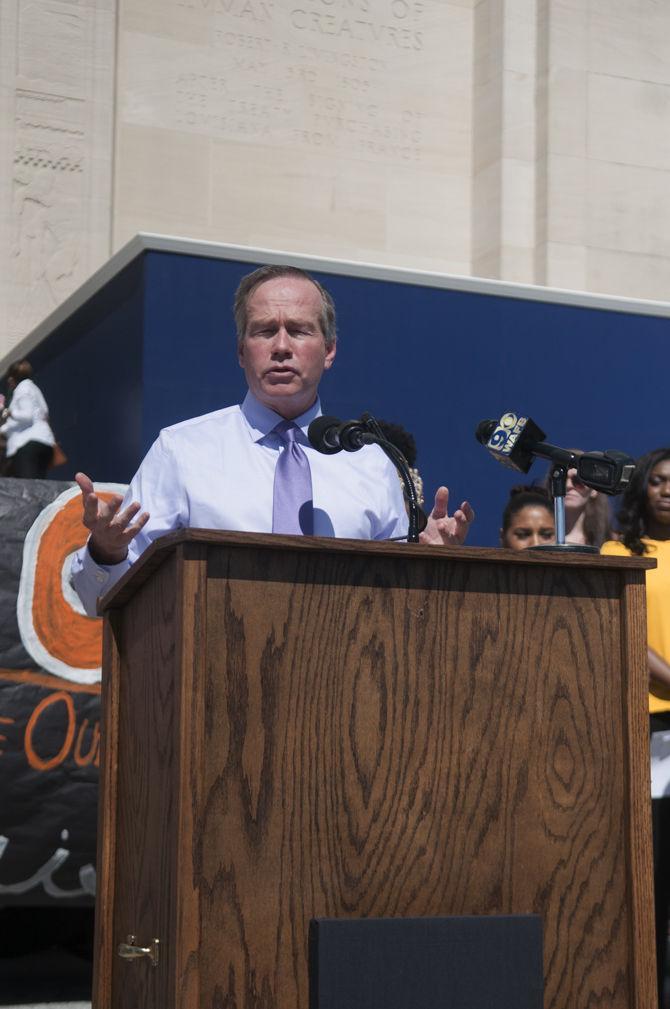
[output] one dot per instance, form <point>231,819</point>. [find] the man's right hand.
<point>111,530</point>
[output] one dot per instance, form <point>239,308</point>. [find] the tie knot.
<point>287,431</point>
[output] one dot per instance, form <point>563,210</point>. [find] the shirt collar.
<point>262,420</point>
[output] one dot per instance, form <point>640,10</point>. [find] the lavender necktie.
<point>292,505</point>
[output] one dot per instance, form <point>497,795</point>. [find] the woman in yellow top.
<point>644,519</point>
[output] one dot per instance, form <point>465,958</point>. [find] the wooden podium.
<point>298,728</point>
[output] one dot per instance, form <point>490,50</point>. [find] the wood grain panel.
<point>192,699</point>
<point>407,738</point>
<point>154,556</point>
<point>301,727</point>
<point>642,940</point>
<point>107,823</point>
<point>147,797</point>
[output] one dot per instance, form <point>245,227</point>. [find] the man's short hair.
<point>253,280</point>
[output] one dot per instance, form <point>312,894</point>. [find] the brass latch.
<point>129,951</point>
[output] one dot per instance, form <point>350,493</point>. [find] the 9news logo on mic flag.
<point>506,434</point>
<point>514,441</point>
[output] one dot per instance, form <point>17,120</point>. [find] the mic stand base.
<point>572,548</point>
<point>559,479</point>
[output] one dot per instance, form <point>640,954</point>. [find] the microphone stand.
<point>559,479</point>
<point>400,463</point>
<point>376,437</point>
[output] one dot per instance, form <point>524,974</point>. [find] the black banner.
<point>50,654</point>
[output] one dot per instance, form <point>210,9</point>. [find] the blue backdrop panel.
<point>90,370</point>
<point>157,345</point>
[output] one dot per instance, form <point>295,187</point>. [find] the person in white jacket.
<point>30,440</point>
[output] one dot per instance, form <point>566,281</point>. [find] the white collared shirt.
<point>217,472</point>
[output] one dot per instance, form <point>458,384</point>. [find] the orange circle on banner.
<point>71,637</point>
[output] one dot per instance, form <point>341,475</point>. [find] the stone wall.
<point>571,148</point>
<point>335,127</point>
<point>527,140</point>
<point>607,153</point>
<point>56,104</point>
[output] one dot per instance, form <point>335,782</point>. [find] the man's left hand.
<point>443,529</point>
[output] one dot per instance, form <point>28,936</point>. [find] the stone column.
<point>56,101</point>
<point>571,144</point>
<point>608,147</point>
<point>505,136</point>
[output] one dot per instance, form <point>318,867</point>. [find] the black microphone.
<point>515,441</point>
<point>354,434</point>
<point>324,435</point>
<point>330,435</point>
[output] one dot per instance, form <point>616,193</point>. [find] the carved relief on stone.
<point>52,188</point>
<point>48,201</point>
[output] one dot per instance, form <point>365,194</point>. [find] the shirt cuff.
<point>91,580</point>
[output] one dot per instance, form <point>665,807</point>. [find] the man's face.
<point>283,353</point>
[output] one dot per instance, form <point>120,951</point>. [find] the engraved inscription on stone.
<point>324,76</point>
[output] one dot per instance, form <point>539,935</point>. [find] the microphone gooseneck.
<point>417,518</point>
<point>330,435</point>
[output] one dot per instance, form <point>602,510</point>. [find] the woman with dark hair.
<point>528,519</point>
<point>644,519</point>
<point>25,425</point>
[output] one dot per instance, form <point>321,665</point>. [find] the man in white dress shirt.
<point>219,471</point>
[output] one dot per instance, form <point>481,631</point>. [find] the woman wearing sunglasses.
<point>587,513</point>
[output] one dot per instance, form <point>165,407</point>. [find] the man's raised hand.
<point>111,530</point>
<point>443,529</point>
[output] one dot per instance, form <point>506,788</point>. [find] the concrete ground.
<point>51,1005</point>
